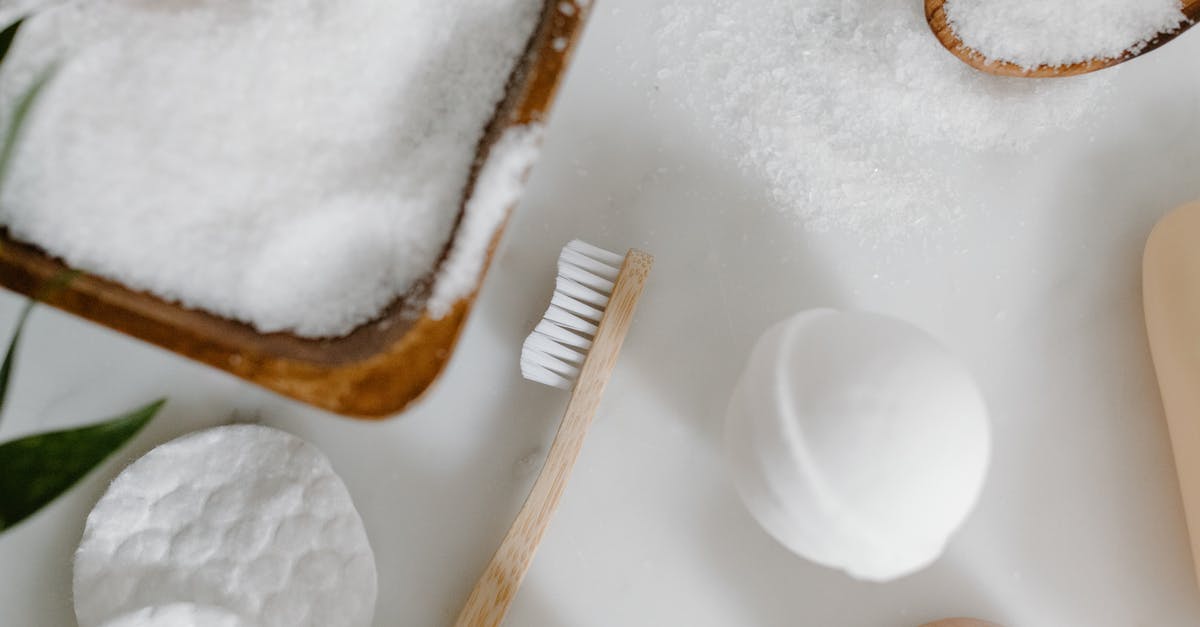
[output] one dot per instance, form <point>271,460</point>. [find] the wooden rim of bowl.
<point>375,371</point>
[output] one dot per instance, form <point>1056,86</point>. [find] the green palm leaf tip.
<point>19,115</point>
<point>37,469</point>
<point>10,356</point>
<point>6,149</point>
<point>6,368</point>
<point>7,36</point>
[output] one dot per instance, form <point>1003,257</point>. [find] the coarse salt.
<point>497,188</point>
<point>838,106</point>
<point>1032,33</point>
<point>295,164</point>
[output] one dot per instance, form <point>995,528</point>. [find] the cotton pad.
<point>179,615</point>
<point>857,441</point>
<point>243,519</point>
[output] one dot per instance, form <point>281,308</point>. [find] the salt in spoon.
<point>935,15</point>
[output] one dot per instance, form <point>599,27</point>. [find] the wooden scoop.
<point>1171,291</point>
<point>936,17</point>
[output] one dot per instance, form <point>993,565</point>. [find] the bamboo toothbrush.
<point>577,341</point>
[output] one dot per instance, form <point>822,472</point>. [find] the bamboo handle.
<point>1171,291</point>
<point>496,588</point>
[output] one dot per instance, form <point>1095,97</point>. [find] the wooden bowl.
<point>376,370</point>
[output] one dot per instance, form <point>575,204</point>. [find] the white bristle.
<point>553,353</point>
<point>577,307</point>
<point>563,336</point>
<point>580,292</point>
<point>612,259</point>
<point>582,276</point>
<point>568,320</point>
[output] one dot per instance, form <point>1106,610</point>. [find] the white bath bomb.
<point>857,441</point>
<point>245,519</point>
<point>179,615</point>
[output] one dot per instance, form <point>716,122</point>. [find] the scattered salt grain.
<point>497,188</point>
<point>837,106</point>
<point>295,164</point>
<point>1030,33</point>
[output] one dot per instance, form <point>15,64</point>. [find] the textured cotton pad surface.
<point>857,441</point>
<point>179,615</point>
<point>245,519</point>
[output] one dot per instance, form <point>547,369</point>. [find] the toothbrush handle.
<point>496,588</point>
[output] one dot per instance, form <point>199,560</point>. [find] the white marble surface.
<point>1079,523</point>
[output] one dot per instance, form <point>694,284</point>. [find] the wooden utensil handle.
<point>1171,294</point>
<point>496,588</point>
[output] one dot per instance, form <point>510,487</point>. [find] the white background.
<point>1079,523</point>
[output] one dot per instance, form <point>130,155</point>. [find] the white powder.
<point>296,164</point>
<point>836,105</point>
<point>1031,33</point>
<point>497,188</point>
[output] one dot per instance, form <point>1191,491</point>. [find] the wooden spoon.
<point>1171,292</point>
<point>960,622</point>
<point>935,15</point>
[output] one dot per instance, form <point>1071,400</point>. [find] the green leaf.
<point>38,469</point>
<point>59,281</point>
<point>19,115</point>
<point>10,356</point>
<point>7,36</point>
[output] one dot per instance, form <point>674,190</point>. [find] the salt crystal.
<point>499,184</point>
<point>836,106</point>
<point>1031,33</point>
<point>295,164</point>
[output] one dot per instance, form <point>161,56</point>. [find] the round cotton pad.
<point>857,441</point>
<point>246,519</point>
<point>179,615</point>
